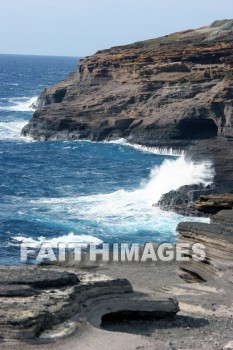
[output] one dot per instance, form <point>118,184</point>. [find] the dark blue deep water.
<point>74,191</point>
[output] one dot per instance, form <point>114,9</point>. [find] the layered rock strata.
<point>174,91</point>
<point>217,237</point>
<point>214,203</point>
<point>34,300</point>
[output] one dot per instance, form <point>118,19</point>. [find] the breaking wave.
<point>53,242</point>
<point>165,151</point>
<point>19,104</point>
<point>127,212</point>
<point>12,130</point>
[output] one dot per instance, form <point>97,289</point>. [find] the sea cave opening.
<point>197,128</point>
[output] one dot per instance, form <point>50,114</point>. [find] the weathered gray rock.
<point>224,216</point>
<point>25,313</point>
<point>7,290</point>
<point>37,277</point>
<point>217,238</point>
<point>182,201</point>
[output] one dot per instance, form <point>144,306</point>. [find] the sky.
<point>79,28</point>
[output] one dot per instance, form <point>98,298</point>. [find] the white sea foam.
<point>166,151</point>
<point>12,131</point>
<point>128,212</point>
<point>53,242</point>
<point>170,175</point>
<point>20,104</point>
<point>123,213</point>
<point>173,174</point>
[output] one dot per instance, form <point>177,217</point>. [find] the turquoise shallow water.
<point>75,191</point>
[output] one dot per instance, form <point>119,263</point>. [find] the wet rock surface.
<point>182,201</point>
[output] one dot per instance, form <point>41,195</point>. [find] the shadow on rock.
<point>132,324</point>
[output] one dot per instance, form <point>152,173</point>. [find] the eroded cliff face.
<point>173,91</point>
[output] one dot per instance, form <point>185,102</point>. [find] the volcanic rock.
<point>217,238</point>
<point>174,91</point>
<point>36,277</point>
<point>214,203</point>
<point>182,201</point>
<point>30,314</point>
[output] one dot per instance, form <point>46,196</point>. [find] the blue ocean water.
<point>76,191</point>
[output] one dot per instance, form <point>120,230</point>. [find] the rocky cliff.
<point>173,91</point>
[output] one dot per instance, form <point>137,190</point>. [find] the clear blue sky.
<point>80,28</point>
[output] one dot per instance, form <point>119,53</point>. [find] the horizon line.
<point>40,55</point>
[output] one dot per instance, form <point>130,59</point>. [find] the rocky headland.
<point>171,92</point>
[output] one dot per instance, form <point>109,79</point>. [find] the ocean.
<point>77,191</point>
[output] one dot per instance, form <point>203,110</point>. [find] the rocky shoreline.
<point>171,92</point>
<point>44,305</point>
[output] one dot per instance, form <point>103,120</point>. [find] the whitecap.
<point>127,212</point>
<point>19,104</point>
<point>12,131</point>
<point>165,151</point>
<point>53,242</point>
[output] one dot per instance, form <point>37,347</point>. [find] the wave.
<point>19,104</point>
<point>170,175</point>
<point>165,151</point>
<point>53,242</point>
<point>125,213</point>
<point>12,131</point>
